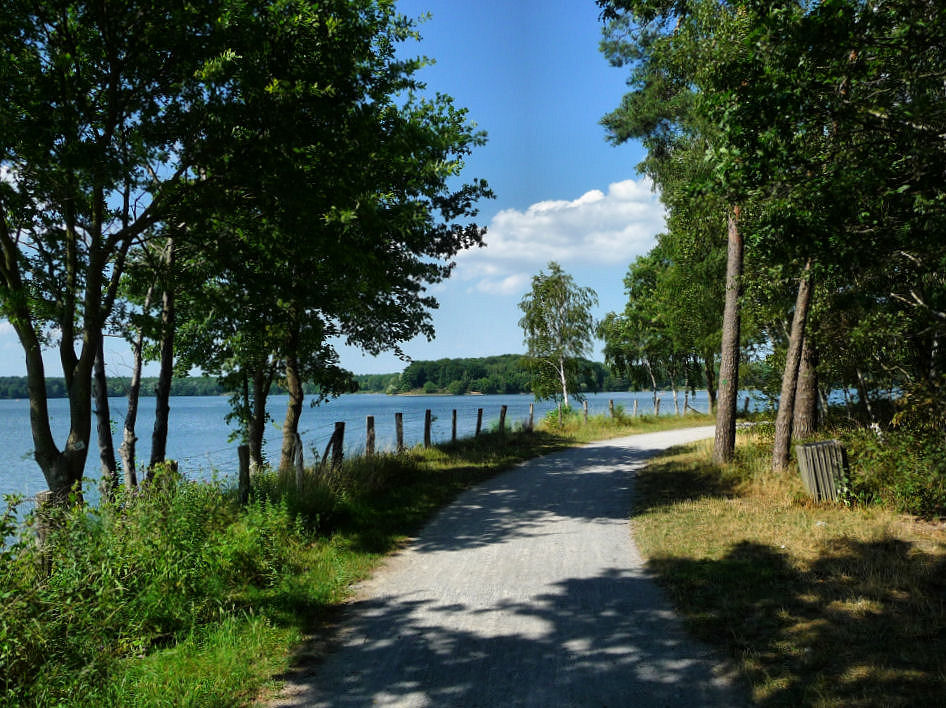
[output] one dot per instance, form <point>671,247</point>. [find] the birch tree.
<point>558,327</point>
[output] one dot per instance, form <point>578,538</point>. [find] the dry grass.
<point>822,605</point>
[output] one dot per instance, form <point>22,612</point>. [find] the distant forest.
<point>506,373</point>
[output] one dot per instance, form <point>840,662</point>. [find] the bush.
<point>131,576</point>
<point>902,468</point>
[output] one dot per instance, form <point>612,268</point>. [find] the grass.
<point>177,596</point>
<point>820,604</point>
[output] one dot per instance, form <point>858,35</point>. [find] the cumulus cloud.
<point>594,229</point>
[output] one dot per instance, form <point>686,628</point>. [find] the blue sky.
<point>531,76</point>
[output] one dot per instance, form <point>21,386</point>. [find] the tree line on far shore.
<point>505,373</point>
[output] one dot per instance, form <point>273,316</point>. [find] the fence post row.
<point>336,443</point>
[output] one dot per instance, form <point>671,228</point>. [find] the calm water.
<point>199,434</point>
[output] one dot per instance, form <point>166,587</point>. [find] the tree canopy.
<point>816,130</point>
<point>277,152</point>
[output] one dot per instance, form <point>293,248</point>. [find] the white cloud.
<point>594,229</point>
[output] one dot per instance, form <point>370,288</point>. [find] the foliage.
<point>277,152</point>
<point>558,328</point>
<point>900,468</point>
<point>506,373</point>
<point>822,123</point>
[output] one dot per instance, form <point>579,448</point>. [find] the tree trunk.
<point>290,428</point>
<point>805,422</point>
<point>724,445</point>
<point>863,396</point>
<point>104,424</point>
<point>127,448</point>
<point>786,403</point>
<point>256,424</point>
<point>61,470</point>
<point>162,407</point>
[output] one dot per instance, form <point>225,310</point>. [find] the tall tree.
<point>339,237</point>
<point>558,327</point>
<point>93,97</point>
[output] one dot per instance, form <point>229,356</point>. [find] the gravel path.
<point>526,591</point>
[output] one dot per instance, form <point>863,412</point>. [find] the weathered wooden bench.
<point>823,466</point>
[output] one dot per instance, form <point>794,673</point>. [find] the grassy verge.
<point>820,604</point>
<point>178,596</point>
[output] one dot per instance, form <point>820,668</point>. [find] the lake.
<point>198,437</point>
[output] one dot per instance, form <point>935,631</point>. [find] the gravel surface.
<point>526,591</point>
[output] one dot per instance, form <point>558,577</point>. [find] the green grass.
<point>819,604</point>
<point>178,596</point>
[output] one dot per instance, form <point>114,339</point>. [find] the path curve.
<point>526,591</point>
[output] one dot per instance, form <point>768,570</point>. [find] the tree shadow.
<point>863,625</point>
<point>607,641</point>
<point>589,484</point>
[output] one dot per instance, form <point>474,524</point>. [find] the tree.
<point>94,100</point>
<point>558,327</point>
<point>338,237</point>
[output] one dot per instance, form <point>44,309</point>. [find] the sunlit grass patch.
<point>819,603</point>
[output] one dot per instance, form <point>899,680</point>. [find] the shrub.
<point>903,468</point>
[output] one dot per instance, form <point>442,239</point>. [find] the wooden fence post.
<point>243,452</point>
<point>453,436</point>
<point>369,435</point>
<point>584,405</point>
<point>531,416</point>
<point>338,445</point>
<point>479,421</point>
<point>427,423</point>
<point>502,420</point>
<point>399,430</point>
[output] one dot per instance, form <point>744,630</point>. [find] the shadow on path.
<point>525,591</point>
